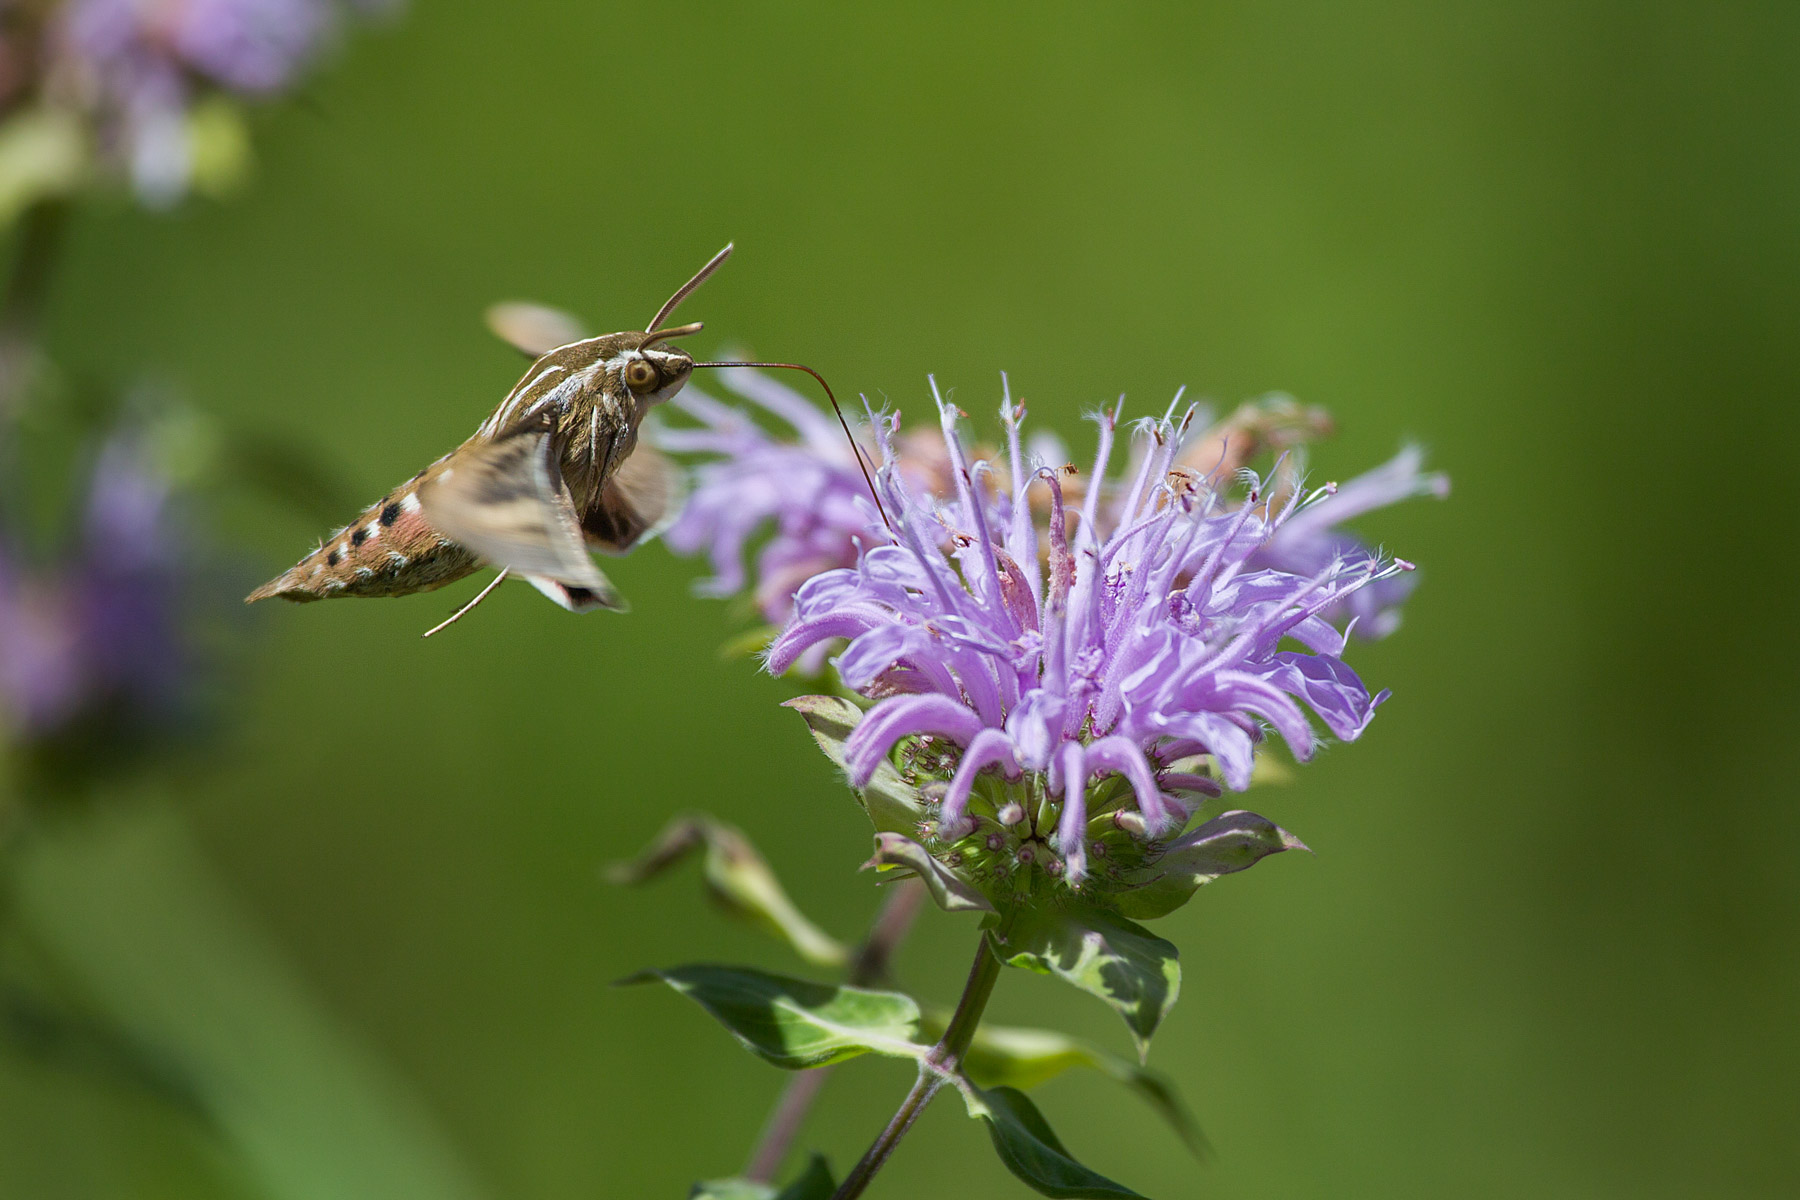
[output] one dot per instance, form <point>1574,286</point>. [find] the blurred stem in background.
<point>131,985</point>
<point>39,239</point>
<point>869,967</point>
<point>122,909</point>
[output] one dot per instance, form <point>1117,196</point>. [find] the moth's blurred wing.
<point>577,599</point>
<point>505,501</point>
<point>533,329</point>
<point>640,499</point>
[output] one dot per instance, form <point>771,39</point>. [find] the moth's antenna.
<point>687,289</point>
<point>677,331</point>
<point>463,611</point>
<point>854,447</point>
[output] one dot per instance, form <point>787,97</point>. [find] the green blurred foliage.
<point>1547,944</point>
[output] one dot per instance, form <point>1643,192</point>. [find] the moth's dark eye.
<point>639,375</point>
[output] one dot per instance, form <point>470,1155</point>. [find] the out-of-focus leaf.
<point>43,154</point>
<point>731,1189</point>
<point>126,910</point>
<point>952,893</point>
<point>1267,769</point>
<point>738,879</point>
<point>1229,842</point>
<point>1120,961</point>
<point>218,147</point>
<point>1032,1151</point>
<point>794,1023</point>
<point>57,1030</point>
<point>1015,1057</point>
<point>893,804</point>
<point>814,1183</point>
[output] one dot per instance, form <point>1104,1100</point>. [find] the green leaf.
<point>1229,842</point>
<point>951,891</point>
<point>794,1023</point>
<point>1032,1151</point>
<point>1010,1056</point>
<point>731,1189</point>
<point>738,879</point>
<point>892,803</point>
<point>814,1183</point>
<point>1099,952</point>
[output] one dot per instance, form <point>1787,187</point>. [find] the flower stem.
<point>939,1064</point>
<point>39,240</point>
<point>868,967</point>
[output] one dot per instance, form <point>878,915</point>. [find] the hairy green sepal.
<point>892,803</point>
<point>1233,841</point>
<point>952,893</point>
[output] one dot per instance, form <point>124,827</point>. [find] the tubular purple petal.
<point>1127,758</point>
<point>1071,829</point>
<point>1089,532</point>
<point>905,716</point>
<point>800,637</point>
<point>990,747</point>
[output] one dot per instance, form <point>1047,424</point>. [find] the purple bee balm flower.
<point>1051,706</point>
<point>1311,540</point>
<point>807,491</point>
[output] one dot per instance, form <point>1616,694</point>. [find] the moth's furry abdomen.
<point>387,551</point>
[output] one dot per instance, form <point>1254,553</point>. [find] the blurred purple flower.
<point>97,634</point>
<point>248,46</point>
<point>1152,651</point>
<point>810,490</point>
<point>140,64</point>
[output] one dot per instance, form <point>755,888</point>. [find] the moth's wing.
<point>533,329</point>
<point>639,500</point>
<point>577,599</point>
<point>505,501</point>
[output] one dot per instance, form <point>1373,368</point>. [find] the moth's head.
<point>651,369</point>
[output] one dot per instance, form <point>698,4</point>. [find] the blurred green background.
<point>1547,945</point>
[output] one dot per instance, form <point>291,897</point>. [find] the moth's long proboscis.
<point>855,447</point>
